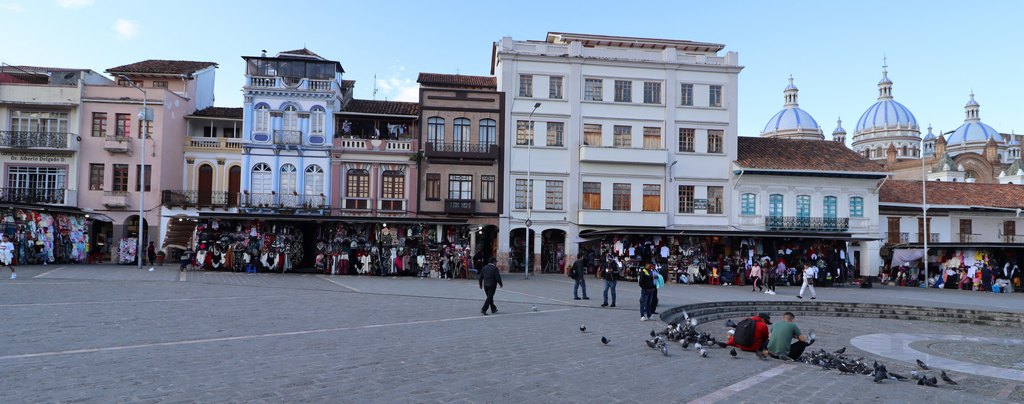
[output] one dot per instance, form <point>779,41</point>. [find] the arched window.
<point>313,180</point>
<point>775,207</point>
<point>291,118</point>
<point>748,204</point>
<point>262,179</point>
<point>261,119</point>
<point>289,180</point>
<point>435,130</point>
<point>829,204</point>
<point>460,133</point>
<point>316,120</point>
<point>488,131</point>
<point>856,206</point>
<point>903,152</point>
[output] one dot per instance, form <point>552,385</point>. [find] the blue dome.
<point>791,118</point>
<point>886,114</point>
<point>930,135</point>
<point>973,132</point>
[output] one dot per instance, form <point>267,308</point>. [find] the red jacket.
<point>760,336</point>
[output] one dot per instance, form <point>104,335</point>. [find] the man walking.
<point>490,280</point>
<point>810,273</point>
<point>579,274</point>
<point>610,273</point>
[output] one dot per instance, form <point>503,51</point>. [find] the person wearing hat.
<point>760,338</point>
<point>784,332</point>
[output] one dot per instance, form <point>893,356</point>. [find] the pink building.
<point>112,146</point>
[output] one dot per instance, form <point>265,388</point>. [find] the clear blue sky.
<point>938,51</point>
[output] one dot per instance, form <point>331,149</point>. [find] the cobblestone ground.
<point>115,334</point>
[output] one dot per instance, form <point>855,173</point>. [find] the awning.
<point>99,217</point>
<point>845,236</point>
<point>902,256</point>
<point>322,219</point>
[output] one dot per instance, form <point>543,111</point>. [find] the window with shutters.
<point>592,195</point>
<point>591,134</point>
<point>652,198</point>
<point>716,200</point>
<point>524,133</point>
<point>652,138</point>
<point>96,176</point>
<point>487,183</point>
<point>748,204</point>
<point>433,192</point>
<point>120,178</point>
<point>621,197</point>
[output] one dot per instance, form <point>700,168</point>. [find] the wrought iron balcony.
<point>259,200</point>
<point>118,144</point>
<point>115,199</point>
<point>968,237</point>
<point>43,196</point>
<point>200,199</point>
<point>27,139</point>
<point>283,201</point>
<point>287,137</point>
<point>800,223</point>
<point>461,150</point>
<point>897,238</point>
<point>460,206</point>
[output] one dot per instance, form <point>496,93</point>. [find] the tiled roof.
<point>457,80</point>
<point>792,154</point>
<point>381,107</point>
<point>11,79</point>
<point>348,83</point>
<point>953,193</point>
<point>156,66</point>
<point>219,112</point>
<point>301,52</point>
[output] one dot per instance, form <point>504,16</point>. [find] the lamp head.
<point>537,105</point>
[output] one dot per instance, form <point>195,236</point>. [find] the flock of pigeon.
<point>686,335</point>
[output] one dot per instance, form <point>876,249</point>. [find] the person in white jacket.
<point>810,273</point>
<point>7,255</point>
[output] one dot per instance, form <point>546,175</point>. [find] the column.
<point>869,258</point>
<point>538,266</point>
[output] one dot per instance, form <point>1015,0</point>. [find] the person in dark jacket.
<point>610,274</point>
<point>578,272</point>
<point>647,287</point>
<point>490,280</point>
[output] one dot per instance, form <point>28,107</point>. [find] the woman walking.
<point>755,276</point>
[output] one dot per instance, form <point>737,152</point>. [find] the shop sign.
<point>700,204</point>
<point>33,157</point>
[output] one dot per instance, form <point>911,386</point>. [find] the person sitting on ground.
<point>754,339</point>
<point>784,332</point>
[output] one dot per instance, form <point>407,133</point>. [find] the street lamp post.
<point>529,194</point>
<point>924,213</point>
<point>144,117</point>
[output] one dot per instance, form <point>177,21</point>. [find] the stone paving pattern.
<point>223,337</point>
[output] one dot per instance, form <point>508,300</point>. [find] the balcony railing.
<point>933,237</point>
<point>968,237</point>
<point>897,238</point>
<point>118,144</point>
<point>392,205</point>
<point>115,199</point>
<point>319,85</point>
<point>288,137</point>
<point>459,206</point>
<point>263,82</point>
<point>200,199</point>
<point>24,140</point>
<point>283,201</point>
<point>356,204</point>
<point>43,196</point>
<point>461,150</point>
<point>1013,238</point>
<point>213,143</point>
<point>799,223</point>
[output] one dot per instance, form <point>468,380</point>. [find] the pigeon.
<point>732,353</point>
<point>730,323</point>
<point>840,351</point>
<point>651,343</point>
<point>685,344</point>
<point>604,340</point>
<point>946,378</point>
<point>698,346</point>
<point>897,376</point>
<point>693,322</point>
<point>760,355</point>
<point>932,381</point>
<point>785,357</point>
<point>811,336</point>
<point>843,368</point>
<point>914,375</point>
<point>583,328</point>
<point>653,334</point>
<point>926,382</point>
<point>921,364</point>
<point>920,382</point>
<point>703,353</point>
<point>874,365</point>
<point>664,349</point>
<point>720,344</point>
<point>880,375</point>
<point>535,308</point>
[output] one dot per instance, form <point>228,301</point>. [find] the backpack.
<point>745,332</point>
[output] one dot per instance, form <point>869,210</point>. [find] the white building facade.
<point>630,133</point>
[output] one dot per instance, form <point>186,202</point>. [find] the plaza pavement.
<point>104,333</point>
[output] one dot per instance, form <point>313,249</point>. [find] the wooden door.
<point>234,185</point>
<point>894,230</point>
<point>205,186</point>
